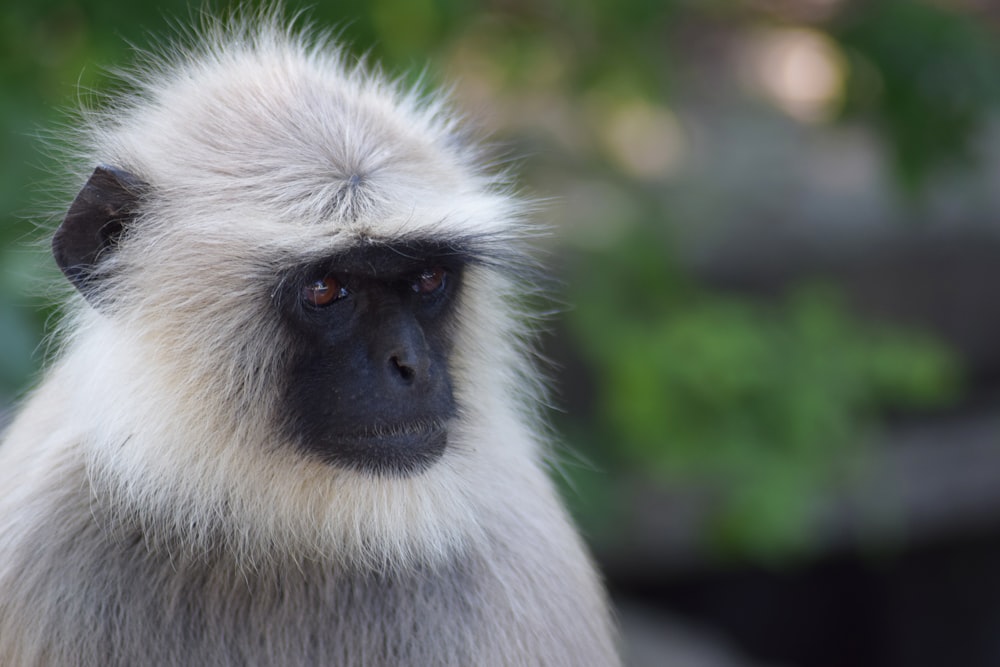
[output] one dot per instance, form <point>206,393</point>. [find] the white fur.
<point>158,418</point>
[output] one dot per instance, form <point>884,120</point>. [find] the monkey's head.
<point>298,322</point>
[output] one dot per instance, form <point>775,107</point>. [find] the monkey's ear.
<point>108,201</point>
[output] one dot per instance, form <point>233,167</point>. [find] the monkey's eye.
<point>430,281</point>
<point>323,292</point>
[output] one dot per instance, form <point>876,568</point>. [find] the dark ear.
<point>108,201</point>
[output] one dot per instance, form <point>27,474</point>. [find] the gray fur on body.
<point>86,595</point>
<point>151,510</point>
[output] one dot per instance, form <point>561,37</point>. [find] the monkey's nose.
<point>404,350</point>
<point>408,362</point>
<point>402,368</point>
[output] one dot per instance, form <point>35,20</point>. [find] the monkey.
<point>295,413</point>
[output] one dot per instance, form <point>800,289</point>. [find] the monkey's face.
<point>369,384</point>
<point>348,351</point>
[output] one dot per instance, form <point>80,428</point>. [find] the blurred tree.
<point>925,75</point>
<point>769,405</point>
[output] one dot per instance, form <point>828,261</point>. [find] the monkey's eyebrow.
<point>377,257</point>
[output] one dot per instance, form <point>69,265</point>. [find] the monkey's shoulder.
<point>84,595</point>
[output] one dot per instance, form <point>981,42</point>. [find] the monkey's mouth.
<point>399,449</point>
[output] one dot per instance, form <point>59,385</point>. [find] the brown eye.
<point>430,280</point>
<point>323,292</point>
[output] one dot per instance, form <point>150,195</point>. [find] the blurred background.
<point>776,243</point>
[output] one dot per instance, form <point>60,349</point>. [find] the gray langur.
<point>293,420</point>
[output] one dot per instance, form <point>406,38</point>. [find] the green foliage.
<point>926,76</point>
<point>768,404</point>
<point>18,336</point>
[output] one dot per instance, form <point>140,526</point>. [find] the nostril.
<point>406,372</point>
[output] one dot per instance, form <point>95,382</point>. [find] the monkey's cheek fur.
<point>397,451</point>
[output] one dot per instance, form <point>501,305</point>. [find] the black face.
<point>370,388</point>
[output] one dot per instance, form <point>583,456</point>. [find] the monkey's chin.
<point>399,450</point>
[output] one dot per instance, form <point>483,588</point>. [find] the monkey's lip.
<point>395,449</point>
<point>401,431</point>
